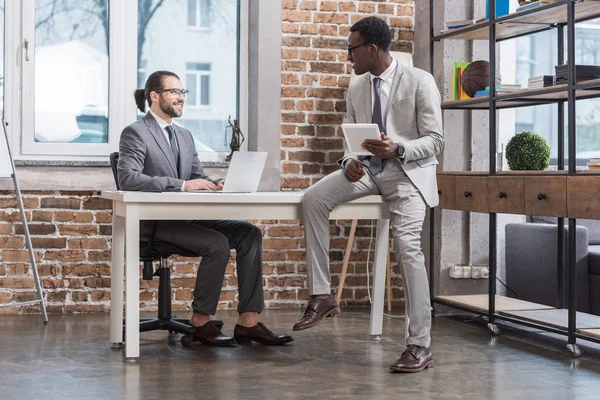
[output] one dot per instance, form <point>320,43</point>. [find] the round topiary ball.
<point>527,151</point>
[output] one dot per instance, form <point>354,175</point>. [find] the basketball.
<point>477,77</point>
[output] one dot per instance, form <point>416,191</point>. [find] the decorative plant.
<point>527,151</point>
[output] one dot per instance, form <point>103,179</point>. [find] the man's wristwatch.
<point>400,152</point>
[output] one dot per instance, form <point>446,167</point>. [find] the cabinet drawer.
<point>446,190</point>
<point>583,194</point>
<point>471,193</point>
<point>506,194</point>
<point>546,196</point>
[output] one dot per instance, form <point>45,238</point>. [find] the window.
<point>197,77</point>
<point>166,44</point>
<point>199,14</point>
<point>538,55</point>
<point>65,77</point>
<point>68,99</point>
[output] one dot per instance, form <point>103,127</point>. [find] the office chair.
<point>152,250</point>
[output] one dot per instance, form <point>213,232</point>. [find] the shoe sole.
<point>399,369</point>
<point>335,311</point>
<point>244,341</point>
<point>206,343</point>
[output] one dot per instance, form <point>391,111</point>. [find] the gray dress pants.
<point>212,240</point>
<point>407,214</point>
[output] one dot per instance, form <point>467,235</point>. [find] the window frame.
<point>198,89</point>
<point>122,81</point>
<point>198,17</point>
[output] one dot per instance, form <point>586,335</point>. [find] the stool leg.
<point>346,260</point>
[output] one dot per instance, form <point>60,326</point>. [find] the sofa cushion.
<point>592,225</point>
<point>594,259</point>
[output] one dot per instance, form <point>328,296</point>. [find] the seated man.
<point>155,155</point>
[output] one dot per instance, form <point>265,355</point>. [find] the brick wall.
<point>71,230</point>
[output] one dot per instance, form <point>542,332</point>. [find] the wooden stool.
<point>345,268</point>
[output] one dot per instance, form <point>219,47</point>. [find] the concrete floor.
<point>72,359</point>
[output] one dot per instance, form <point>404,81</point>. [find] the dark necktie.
<point>173,141</point>
<point>376,163</point>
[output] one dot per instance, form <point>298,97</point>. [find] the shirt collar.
<point>161,122</point>
<point>388,72</point>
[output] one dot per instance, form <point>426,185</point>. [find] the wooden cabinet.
<point>546,196</point>
<point>471,193</point>
<point>506,194</point>
<point>446,191</point>
<point>583,197</point>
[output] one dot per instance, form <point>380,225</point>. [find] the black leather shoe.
<point>414,359</point>
<point>259,333</point>
<point>317,310</point>
<point>210,335</point>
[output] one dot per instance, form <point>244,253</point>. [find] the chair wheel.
<point>186,340</point>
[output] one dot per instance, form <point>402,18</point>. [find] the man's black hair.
<point>374,30</point>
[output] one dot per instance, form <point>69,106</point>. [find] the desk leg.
<point>132,288</point>
<point>116,281</point>
<point>381,250</point>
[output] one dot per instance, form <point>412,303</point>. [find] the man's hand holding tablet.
<point>384,148</point>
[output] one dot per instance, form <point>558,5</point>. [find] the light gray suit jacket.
<point>146,162</point>
<point>414,118</point>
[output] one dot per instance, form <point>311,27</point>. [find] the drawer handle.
<point>468,194</point>
<point>501,195</point>
<point>541,196</point>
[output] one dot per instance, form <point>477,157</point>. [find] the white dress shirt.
<point>387,78</point>
<point>163,125</point>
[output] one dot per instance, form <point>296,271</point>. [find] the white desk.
<point>131,207</point>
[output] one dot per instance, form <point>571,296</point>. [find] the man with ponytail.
<point>157,155</point>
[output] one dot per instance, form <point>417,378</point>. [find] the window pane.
<point>191,83</point>
<point>167,44</point>
<point>71,71</point>
<point>205,90</point>
<point>205,13</point>
<point>192,12</point>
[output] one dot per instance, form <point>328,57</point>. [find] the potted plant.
<point>527,151</point>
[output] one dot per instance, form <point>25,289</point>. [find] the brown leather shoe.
<point>259,333</point>
<point>414,359</point>
<point>210,335</point>
<point>317,310</point>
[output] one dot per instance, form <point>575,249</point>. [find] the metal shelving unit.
<point>558,15</point>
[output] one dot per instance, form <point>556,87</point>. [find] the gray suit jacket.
<point>146,162</point>
<point>414,118</point>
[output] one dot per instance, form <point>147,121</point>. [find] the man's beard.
<point>169,109</point>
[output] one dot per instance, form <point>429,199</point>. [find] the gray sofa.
<point>531,262</point>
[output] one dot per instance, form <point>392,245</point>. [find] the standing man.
<point>405,103</point>
<point>156,155</point>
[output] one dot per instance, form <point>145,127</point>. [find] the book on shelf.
<point>458,92</point>
<point>541,81</point>
<point>450,25</point>
<point>529,6</point>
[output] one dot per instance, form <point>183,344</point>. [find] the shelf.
<point>528,97</point>
<point>555,318</point>
<point>480,302</point>
<point>509,173</point>
<point>525,22</point>
<point>595,333</point>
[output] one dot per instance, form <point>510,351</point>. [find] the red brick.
<point>308,5</point>
<point>11,242</point>
<point>328,43</point>
<point>5,297</point>
<point>330,18</point>
<point>86,270</point>
<point>88,243</point>
<point>72,203</point>
<point>308,54</point>
<point>74,216</point>
<point>308,29</point>
<point>41,216</point>
<point>36,229</point>
<point>288,129</point>
<point>288,91</point>
<point>78,230</point>
<point>311,169</point>
<point>289,54</point>
<point>97,282</point>
<point>285,231</point>
<point>326,93</point>
<point>307,156</point>
<point>295,16</point>
<point>328,6</point>
<point>405,10</point>
<point>308,130</point>
<point>287,27</point>
<point>326,55</point>
<point>347,6</point>
<point>287,168</point>
<point>325,131</point>
<point>294,66</point>
<point>289,4</point>
<point>6,229</point>
<point>85,308</point>
<point>402,22</point>
<point>386,8</point>
<point>100,295</point>
<point>65,255</point>
<point>97,203</point>
<point>328,68</point>
<point>59,296</point>
<point>295,183</point>
<point>325,118</point>
<point>293,117</point>
<point>292,142</point>
<point>94,256</point>
<point>366,7</point>
<point>328,80</point>
<point>305,105</point>
<point>17,283</point>
<point>18,269</point>
<point>291,79</point>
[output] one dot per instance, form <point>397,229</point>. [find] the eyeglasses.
<point>351,49</point>
<point>176,92</point>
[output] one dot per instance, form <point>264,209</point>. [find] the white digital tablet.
<point>355,135</point>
